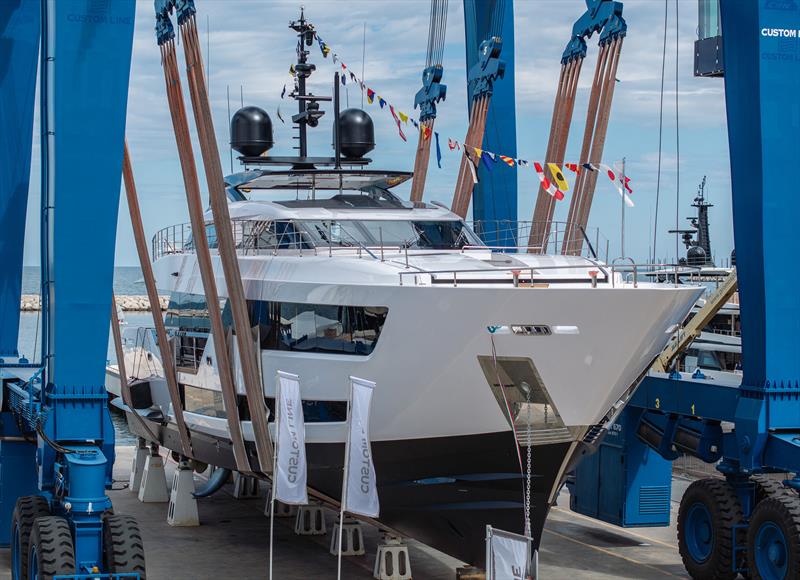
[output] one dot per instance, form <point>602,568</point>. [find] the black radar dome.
<point>251,131</point>
<point>696,256</point>
<point>356,133</point>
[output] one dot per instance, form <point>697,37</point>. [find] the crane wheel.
<point>766,487</point>
<point>52,552</point>
<point>773,539</point>
<point>708,511</point>
<point>123,549</point>
<point>27,509</point>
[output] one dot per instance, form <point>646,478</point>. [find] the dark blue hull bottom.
<point>441,491</point>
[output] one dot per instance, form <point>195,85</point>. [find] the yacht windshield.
<point>434,235</point>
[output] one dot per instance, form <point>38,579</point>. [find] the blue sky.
<point>251,47</point>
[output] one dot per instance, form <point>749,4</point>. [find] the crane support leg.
<point>56,410</point>
<point>19,28</point>
<point>488,27</point>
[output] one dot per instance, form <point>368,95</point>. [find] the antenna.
<point>337,133</point>
<point>308,112</point>
<point>230,136</point>
<point>363,60</point>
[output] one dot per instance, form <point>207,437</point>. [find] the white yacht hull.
<point>445,454</point>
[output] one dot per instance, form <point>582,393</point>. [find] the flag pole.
<point>274,471</point>
<point>344,477</point>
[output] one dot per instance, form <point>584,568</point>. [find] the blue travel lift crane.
<point>746,523</point>
<point>56,435</point>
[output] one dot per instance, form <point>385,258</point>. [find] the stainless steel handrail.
<point>534,270</point>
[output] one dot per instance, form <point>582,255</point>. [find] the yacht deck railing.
<point>254,237</point>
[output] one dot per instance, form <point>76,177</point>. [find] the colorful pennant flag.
<point>508,160</point>
<point>548,187</point>
<point>399,128</point>
<point>555,171</point>
<point>324,48</point>
<point>471,165</point>
<point>488,159</point>
<point>556,187</point>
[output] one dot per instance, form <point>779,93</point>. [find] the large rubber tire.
<point>123,549</point>
<point>52,551</point>
<point>767,487</point>
<point>709,510</point>
<point>773,539</point>
<point>27,509</point>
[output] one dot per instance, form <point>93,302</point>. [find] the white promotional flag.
<point>509,555</point>
<point>361,496</point>
<point>290,468</point>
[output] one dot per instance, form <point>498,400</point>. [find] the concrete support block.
<point>245,487</point>
<point>352,538</point>
<point>392,561</point>
<point>282,510</point>
<point>182,504</point>
<point>137,467</point>
<point>153,488</point>
<point>310,521</point>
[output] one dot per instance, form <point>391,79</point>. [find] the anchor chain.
<point>528,465</point>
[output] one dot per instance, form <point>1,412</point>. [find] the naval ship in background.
<point>476,353</point>
<point>718,347</point>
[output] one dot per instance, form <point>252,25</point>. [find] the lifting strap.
<point>200,241</point>
<point>563,109</point>
<point>167,361</point>
<point>581,203</point>
<point>605,17</point>
<point>124,387</point>
<point>474,139</point>
<point>248,352</point>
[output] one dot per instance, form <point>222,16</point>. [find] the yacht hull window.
<point>293,326</point>
<point>288,326</point>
